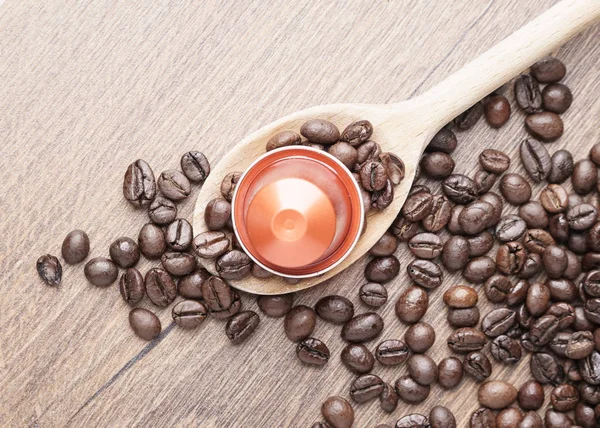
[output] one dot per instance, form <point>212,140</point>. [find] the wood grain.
<point>88,87</point>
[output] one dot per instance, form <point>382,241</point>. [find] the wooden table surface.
<point>89,86</point>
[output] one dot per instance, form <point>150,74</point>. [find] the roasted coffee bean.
<point>554,419</point>
<point>179,235</point>
<point>475,217</point>
<point>417,206</point>
<point>75,247</point>
<point>497,288</point>
<point>381,199</point>
<point>312,351</point>
<point>413,420</point>
<point>455,253</point>
<point>484,181</point>
<point>392,352</point>
<point>124,252</point>
<point>477,365</point>
<point>160,287</point>
<point>174,185</point>
<point>217,213</point>
<point>557,98</point>
<point>592,310</point>
<point>535,159</point>
<point>546,126</point>
<point>362,328</point>
<point>394,167</point>
<point>562,289</point>
<point>234,264</point>
<point>209,245</point>
<point>545,368</point>
<point>403,229</point>
<point>581,322</point>
<point>564,312</point>
<point>366,387</point>
<point>382,269</point>
<point>480,244</point>
<point>554,198</point>
<point>178,264</point>
<point>517,293</point>
<point>450,372</point>
<point>422,369</point>
<point>410,391</point>
<point>496,394</point>
<point>515,189</point>
<point>506,349</point>
<point>580,345</point>
<point>425,245</point>
<point>510,228</point>
<point>131,286</point>
<point>591,283</point>
<point>100,271</point>
<point>593,237</point>
<point>437,165</point>
<point>162,210</point>
<point>321,131</point>
<point>367,152</point>
<point>50,270</point>
<point>373,294</point>
<point>412,304</point>
<point>582,216</point>
<point>195,166</point>
<point>589,393</point>
<point>496,201</point>
<point>538,240</point>
<point>388,399</point>
<point>419,337</point>
<point>460,296</point>
<point>469,118</point>
<point>578,242</point>
<point>531,420</point>
<point>467,339</point>
<point>534,215</point>
<point>190,286</point>
<point>241,325</point>
<point>510,258</point>
<point>282,139</point>
<point>482,418</point>
<point>528,94</point>
<point>386,246</point>
<point>373,176</point>
<point>228,185</point>
<point>460,189</point>
<point>558,344</point>
<point>338,412</point>
<point>479,269</point>
<point>356,133</point>
<point>425,273</point>
<point>510,417</point>
<point>357,358</point>
<point>467,317</point>
<point>498,321</point>
<point>531,266</point>
<point>524,318</point>
<point>139,185</point>
<point>543,330</point>
<point>151,241</point>
<point>562,166</point>
<point>585,416</point>
<point>590,261</point>
<point>441,417</point>
<point>555,261</point>
<point>220,299</point>
<point>497,110</point>
<point>189,313</point>
<point>453,225</point>
<point>538,299</point>
<point>531,395</point>
<point>345,153</point>
<point>335,309</point>
<point>299,323</point>
<point>444,141</point>
<point>438,218</point>
<point>275,306</point>
<point>494,161</point>
<point>144,323</point>
<point>548,70</point>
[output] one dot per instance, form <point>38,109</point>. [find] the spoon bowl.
<point>405,128</point>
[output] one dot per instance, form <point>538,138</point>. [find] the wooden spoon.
<point>407,127</point>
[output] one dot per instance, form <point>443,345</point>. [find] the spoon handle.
<point>505,60</point>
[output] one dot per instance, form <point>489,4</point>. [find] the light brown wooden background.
<point>89,86</point>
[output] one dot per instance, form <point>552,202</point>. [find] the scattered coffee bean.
<point>190,286</point>
<point>531,395</point>
<point>151,241</point>
<point>545,368</point>
<point>554,198</point>
<point>494,161</point>
<point>335,309</point>
<point>412,304</point>
<point>338,412</point>
<point>469,118</point>
<point>275,306</point>
<point>210,245</point>
<point>312,351</point>
<point>467,339</point>
<point>548,70</point>
<point>546,126</point>
<point>498,321</point>
<point>366,387</point>
<point>179,235</point>
<point>562,166</point>
<point>475,217</point>
<point>555,261</point>
<point>538,299</point>
<point>437,165</point>
<point>373,294</point>
<point>299,323</point>
<point>480,244</point>
<point>283,139</point>
<point>534,215</point>
<point>425,245</point>
<point>99,271</point>
<point>417,206</point>
<point>392,352</point>
<point>425,273</point>
<point>139,185</point>
<point>482,418</point>
<point>450,372</point>
<point>144,323</point>
<point>496,394</point>
<point>394,167</point>
<point>515,189</point>
<point>195,166</point>
<point>460,189</point>
<point>484,181</point>
<point>162,210</point>
<point>528,94</point>
<point>467,317</point>
<point>178,264</point>
<point>557,98</point>
<point>388,400</point>
<point>241,325</point>
<point>189,313</point>
<point>356,133</point>
<point>505,349</point>
<point>497,110</point>
<point>535,159</point>
<point>460,296</point>
<point>228,185</point>
<point>234,264</point>
<point>75,247</point>
<point>174,185</point>
<point>362,328</point>
<point>422,369</point>
<point>49,269</point>
<point>217,213</point>
<point>124,252</point>
<point>386,246</point>
<point>509,417</point>
<point>357,358</point>
<point>382,269</point>
<point>444,141</point>
<point>479,269</point>
<point>160,287</point>
<point>477,365</point>
<point>131,286</point>
<point>419,337</point>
